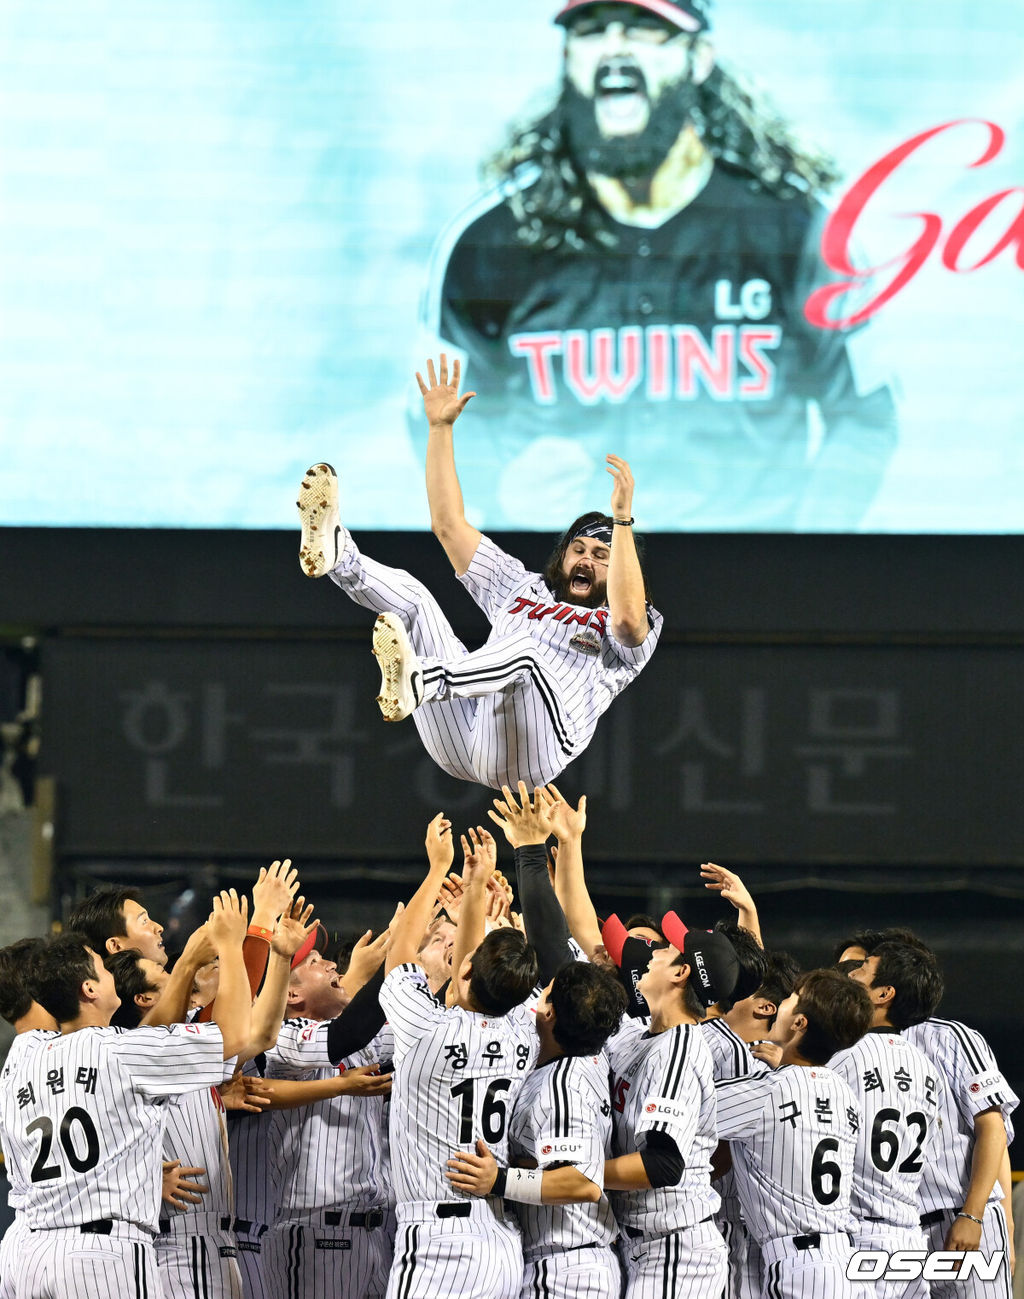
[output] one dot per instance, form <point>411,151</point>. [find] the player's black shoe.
<point>401,681</point>
<point>321,521</point>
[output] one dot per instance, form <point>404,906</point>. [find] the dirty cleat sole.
<point>401,681</point>
<point>321,524</point>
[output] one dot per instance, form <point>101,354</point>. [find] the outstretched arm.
<point>443,406</point>
<point>407,929</point>
<point>733,890</point>
<point>568,824</point>
<point>627,604</point>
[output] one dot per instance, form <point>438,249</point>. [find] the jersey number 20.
<point>81,1163</point>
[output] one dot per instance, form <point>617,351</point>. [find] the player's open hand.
<point>479,856</point>
<point>367,954</point>
<point>622,488</point>
<point>449,895</point>
<point>441,401</point>
<point>245,1094</point>
<point>273,892</point>
<point>473,1174</point>
<point>200,949</point>
<point>525,821</point>
<point>439,844</point>
<point>178,1187</point>
<point>293,929</point>
<point>228,920</point>
<point>567,822</point>
<point>366,1080</point>
<point>727,883</point>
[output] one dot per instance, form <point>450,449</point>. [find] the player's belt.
<point>634,1234</point>
<point>936,1215</point>
<point>101,1227</point>
<point>448,1209</point>
<point>333,1218</point>
<point>224,1222</point>
<point>245,1225</point>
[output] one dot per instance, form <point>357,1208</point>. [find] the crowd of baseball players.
<point>498,1095</point>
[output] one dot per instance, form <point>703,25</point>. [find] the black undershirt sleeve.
<point>360,1021</point>
<point>546,926</point>
<point>662,1161</point>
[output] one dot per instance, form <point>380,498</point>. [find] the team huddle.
<point>497,1096</point>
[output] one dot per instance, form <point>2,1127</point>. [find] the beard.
<point>593,598</point>
<point>627,157</point>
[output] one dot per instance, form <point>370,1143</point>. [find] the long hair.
<point>739,126</point>
<point>552,573</point>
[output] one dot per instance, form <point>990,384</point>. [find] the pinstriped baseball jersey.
<point>23,1045</point>
<point>730,1058</point>
<point>974,1083</point>
<point>563,1116</point>
<point>328,1154</point>
<point>457,1077</point>
<point>663,1083</point>
<point>82,1118</point>
<point>898,1090</point>
<point>793,1135</point>
<point>196,1135</point>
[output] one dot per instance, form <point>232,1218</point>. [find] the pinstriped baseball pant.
<point>691,1263</point>
<point>493,715</point>
<point>816,1273</point>
<point>456,1258</point>
<point>195,1266</point>
<point>590,1273</point>
<point>63,1263</point>
<point>12,1249</point>
<point>316,1262</point>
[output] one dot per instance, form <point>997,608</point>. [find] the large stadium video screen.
<point>773,255</point>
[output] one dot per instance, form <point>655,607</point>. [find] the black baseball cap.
<point>714,966</point>
<point>687,15</point>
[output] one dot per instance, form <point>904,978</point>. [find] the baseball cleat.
<point>401,681</point>
<point>321,523</point>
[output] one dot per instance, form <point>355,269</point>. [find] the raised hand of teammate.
<point>178,1188</point>
<point>367,954</point>
<point>228,920</point>
<point>438,843</point>
<point>273,892</point>
<point>567,822</point>
<point>293,928</point>
<point>479,856</point>
<point>525,821</point>
<point>441,401</point>
<point>449,896</point>
<point>622,488</point>
<point>733,890</point>
<point>473,1174</point>
<point>200,949</point>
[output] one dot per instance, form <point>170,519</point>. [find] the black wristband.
<point>624,523</point>
<point>499,1182</point>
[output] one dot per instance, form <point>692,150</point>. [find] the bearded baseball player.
<point>901,1094</point>
<point>82,1117</point>
<point>638,277</point>
<point>563,643</point>
<point>793,1136</point>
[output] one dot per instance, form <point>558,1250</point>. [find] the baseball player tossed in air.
<point>793,1136</point>
<point>901,1094</point>
<point>82,1117</point>
<point>458,1072</point>
<point>966,1183</point>
<point>563,643</point>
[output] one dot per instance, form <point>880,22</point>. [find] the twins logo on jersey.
<point>594,619</point>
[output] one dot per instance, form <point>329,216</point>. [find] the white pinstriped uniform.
<point>328,1170</point>
<point>664,1083</point>
<point>731,1058</point>
<point>527,702</point>
<point>898,1090</point>
<point>81,1120</point>
<point>974,1083</point>
<point>793,1135</point>
<point>563,1116</point>
<point>252,1177</point>
<point>17,1235</point>
<point>196,1250</point>
<point>457,1076</point>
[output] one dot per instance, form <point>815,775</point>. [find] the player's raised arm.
<point>627,601</point>
<point>567,825</point>
<point>442,406</point>
<point>233,1008</point>
<point>479,859</point>
<point>407,930</point>
<point>291,931</point>
<point>732,889</point>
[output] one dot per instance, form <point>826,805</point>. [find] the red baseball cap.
<point>317,938</point>
<point>687,15</point>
